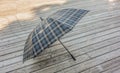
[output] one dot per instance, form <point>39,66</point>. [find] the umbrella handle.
<point>67,50</point>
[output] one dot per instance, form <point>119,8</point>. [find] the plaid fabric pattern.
<point>57,25</point>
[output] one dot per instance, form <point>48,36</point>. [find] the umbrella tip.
<point>41,18</point>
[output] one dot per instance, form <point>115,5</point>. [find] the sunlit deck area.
<point>94,41</point>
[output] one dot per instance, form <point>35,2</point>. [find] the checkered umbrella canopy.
<point>50,30</point>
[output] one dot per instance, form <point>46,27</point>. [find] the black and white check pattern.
<point>57,25</point>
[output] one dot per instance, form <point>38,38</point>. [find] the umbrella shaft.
<point>67,50</point>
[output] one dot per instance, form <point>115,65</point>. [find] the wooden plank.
<point>86,28</point>
<point>92,40</point>
<point>54,61</point>
<point>110,64</point>
<point>92,70</point>
<point>6,51</point>
<point>81,45</point>
<point>105,67</point>
<point>80,51</point>
<point>68,33</point>
<point>104,50</point>
<point>91,63</point>
<point>117,71</point>
<point>113,70</point>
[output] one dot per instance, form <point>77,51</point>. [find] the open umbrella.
<point>50,30</point>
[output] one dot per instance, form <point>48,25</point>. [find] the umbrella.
<point>50,30</point>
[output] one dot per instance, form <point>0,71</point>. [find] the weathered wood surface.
<point>95,40</point>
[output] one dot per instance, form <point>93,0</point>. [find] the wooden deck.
<point>95,40</point>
